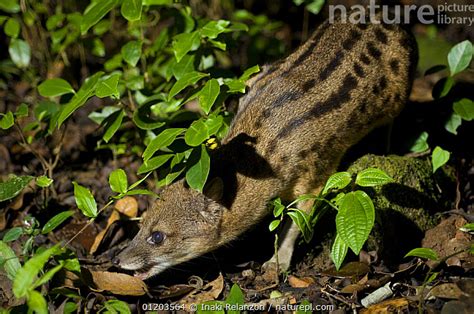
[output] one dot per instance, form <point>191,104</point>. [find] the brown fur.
<point>292,128</point>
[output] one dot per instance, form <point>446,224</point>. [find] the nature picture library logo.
<point>447,13</point>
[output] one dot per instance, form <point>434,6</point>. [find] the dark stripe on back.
<point>383,82</point>
<point>308,85</point>
<point>333,102</point>
<point>364,59</point>
<point>335,62</point>
<point>359,70</point>
<point>280,101</point>
<point>395,66</point>
<point>373,50</point>
<point>354,36</point>
<point>309,50</point>
<point>381,36</point>
<point>362,26</point>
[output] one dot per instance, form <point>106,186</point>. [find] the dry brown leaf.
<point>389,306</point>
<point>350,289</point>
<point>17,202</point>
<point>296,282</point>
<point>176,291</point>
<point>351,269</point>
<point>114,216</point>
<point>447,291</point>
<point>127,206</point>
<point>118,283</point>
<point>3,219</point>
<point>209,292</point>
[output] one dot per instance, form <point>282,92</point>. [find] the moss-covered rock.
<point>405,208</point>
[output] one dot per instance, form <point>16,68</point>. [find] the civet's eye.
<point>157,237</point>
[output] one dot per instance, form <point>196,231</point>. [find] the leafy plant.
<point>355,210</point>
<point>459,59</point>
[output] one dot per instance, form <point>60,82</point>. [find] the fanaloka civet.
<point>292,127</point>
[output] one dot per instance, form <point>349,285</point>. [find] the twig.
<point>88,224</point>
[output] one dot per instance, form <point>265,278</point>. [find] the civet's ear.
<point>214,189</point>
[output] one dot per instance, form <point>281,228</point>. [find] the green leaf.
<point>113,63</point>
<point>213,28</point>
<point>421,143</point>
<point>141,192</point>
<point>218,44</point>
<point>305,307</point>
<point>184,43</point>
<point>432,277</point>
<point>108,87</point>
<point>117,306</point>
<point>85,201</point>
<point>22,111</point>
<point>464,108</point>
<point>197,173</point>
<point>213,124</point>
<point>13,186</point>
<point>43,181</point>
<point>442,87</point>
<point>338,180</point>
<point>453,123</point>
<point>95,12</point>
<point>235,86</point>
<point>469,227</point>
<point>48,275</point>
<point>278,207</point>
<point>274,224</point>
<point>112,124</point>
<point>10,6</point>
<point>460,57</point>
<point>301,219</point>
<point>208,95</point>
<point>36,301</point>
<point>7,121</point>
<point>55,87</point>
<point>163,139</point>
<point>235,297</point>
<point>355,219</point>
<point>25,276</point>
<point>20,52</point>
<point>99,116</point>
<point>12,234</point>
<point>154,163</point>
<point>187,80</point>
<point>8,261</point>
<point>338,251</point>
<point>249,72</point>
<point>79,99</point>
<point>196,133</point>
<point>439,157</point>
<point>186,65</point>
<point>118,181</point>
<point>423,253</point>
<point>12,28</point>
<point>98,48</point>
<point>54,222</point>
<point>372,177</point>
<point>315,6</point>
<point>157,2</point>
<point>131,9</point>
<point>132,52</point>
<point>142,119</point>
